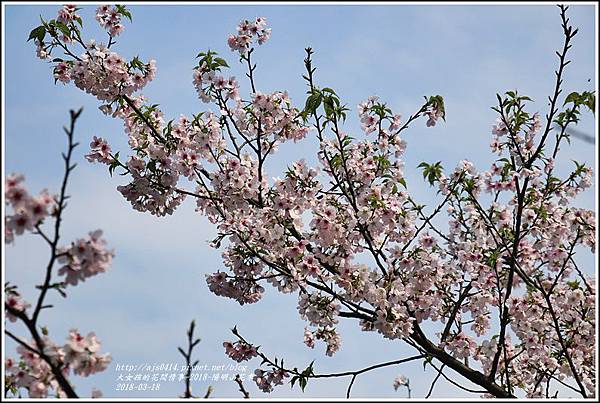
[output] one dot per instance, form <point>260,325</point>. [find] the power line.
<point>580,135</point>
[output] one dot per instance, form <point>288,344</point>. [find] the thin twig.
<point>435,381</point>
<point>243,390</point>
<point>188,359</point>
<point>31,323</point>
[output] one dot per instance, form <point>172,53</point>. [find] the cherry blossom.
<point>400,380</point>
<point>44,367</point>
<point>14,300</point>
<point>246,32</point>
<point>109,18</point>
<point>240,351</point>
<point>499,283</point>
<point>100,151</point>
<point>86,257</point>
<point>32,372</point>
<point>266,380</point>
<point>27,211</point>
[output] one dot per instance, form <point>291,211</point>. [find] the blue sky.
<point>140,309</point>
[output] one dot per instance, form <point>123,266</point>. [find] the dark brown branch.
<point>435,381</point>
<point>155,132</point>
<point>251,69</point>
<point>55,369</point>
<point>563,345</point>
<point>569,33</point>
<point>61,204</point>
<point>243,390</point>
<point>21,342</point>
<point>354,374</point>
<point>31,323</point>
<point>209,392</point>
<point>472,375</point>
<point>504,315</point>
<point>455,311</point>
<point>188,359</point>
<point>458,385</point>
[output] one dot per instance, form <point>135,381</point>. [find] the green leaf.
<point>313,102</point>
<point>431,172</point>
<point>572,97</point>
<point>303,381</point>
<point>586,98</point>
<point>137,63</point>
<point>426,361</point>
<point>152,166</point>
<point>63,28</point>
<point>221,62</point>
<point>37,33</point>
<point>328,106</point>
<point>124,12</point>
<point>336,161</point>
<point>425,167</point>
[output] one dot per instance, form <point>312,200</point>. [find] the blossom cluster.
<point>399,381</point>
<point>575,305</point>
<point>80,354</point>
<point>105,74</point>
<point>97,70</point>
<point>244,291</point>
<point>240,351</point>
<point>109,18</point>
<point>328,334</point>
<point>209,85</point>
<point>318,310</point>
<point>434,109</point>
<point>266,380</point>
<point>86,257</point>
<point>100,151</point>
<point>462,346</point>
<point>28,211</point>
<point>512,229</point>
<point>246,32</point>
<point>371,117</point>
<point>16,302</point>
<point>68,14</point>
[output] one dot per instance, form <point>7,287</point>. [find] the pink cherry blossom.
<point>497,289</point>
